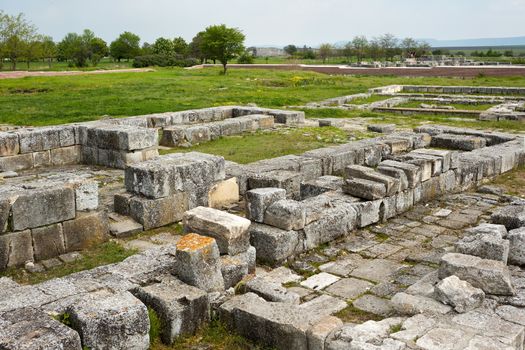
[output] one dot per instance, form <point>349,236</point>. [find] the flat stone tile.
<point>342,266</point>
<point>349,288</point>
<point>374,305</point>
<point>377,270</point>
<point>320,281</point>
<point>357,244</point>
<point>383,250</point>
<point>452,224</point>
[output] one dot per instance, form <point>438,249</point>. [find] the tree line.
<point>384,47</point>
<point>21,42</point>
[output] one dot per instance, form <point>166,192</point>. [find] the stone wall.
<point>41,220</point>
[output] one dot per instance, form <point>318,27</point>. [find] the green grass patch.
<point>155,326</point>
<point>512,182</point>
<point>351,314</point>
<point>103,254</point>
<point>248,148</point>
<point>465,107</point>
<point>373,98</point>
<point>66,99</point>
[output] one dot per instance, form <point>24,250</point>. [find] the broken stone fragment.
<point>512,216</point>
<point>365,189</point>
<point>461,295</point>
<point>517,246</point>
<point>257,200</point>
<point>198,262</point>
<point>486,246</point>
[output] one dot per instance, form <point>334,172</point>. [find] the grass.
<point>103,254</point>
<point>351,314</point>
<point>480,107</point>
<point>105,63</point>
<point>56,100</point>
<point>512,182</point>
<point>214,336</point>
<point>249,148</point>
<point>414,120</point>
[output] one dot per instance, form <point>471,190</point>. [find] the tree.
<point>49,49</point>
<point>290,49</point>
<point>348,51</point>
<point>162,46</point>
<point>146,49</point>
<point>360,44</point>
<point>15,34</point>
<point>82,47</point>
<point>180,46</point>
<point>388,44</point>
<point>374,49</point>
<point>222,43</point>
<point>195,47</point>
<point>32,50</point>
<point>325,51</point>
<point>409,47</point>
<point>127,46</point>
<point>98,50</point>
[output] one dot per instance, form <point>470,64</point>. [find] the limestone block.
<point>126,138</point>
<point>182,309</point>
<point>48,242</point>
<point>425,165</point>
<point>320,185</point>
<point>153,213</point>
<point>223,193</point>
<point>318,333</point>
<point>498,231</point>
<point>512,216</point>
<point>230,231</point>
<point>407,304</point>
<point>66,155</point>
<point>41,159</point>
<point>517,246</point>
<point>42,206</point>
<point>39,139</point>
<point>86,194</point>
<point>286,214</point>
<point>335,222</point>
<point>121,203</point>
<point>15,249</point>
<point>29,328</point>
<point>445,156</point>
<point>235,268</point>
<point>274,245</point>
<point>395,173</point>
<point>198,262</point>
<point>382,128</point>
<point>392,184</point>
<point>108,320</point>
<point>9,145</point>
<point>16,163</point>
<point>413,172</point>
<point>271,291</point>
<point>458,142</point>
<point>258,200</point>
<point>287,180</point>
<point>492,276</point>
<point>368,212</point>
<point>461,295</point>
<point>366,189</point>
<point>86,230</point>
<point>485,246</point>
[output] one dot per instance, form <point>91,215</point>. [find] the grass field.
<point>55,100</point>
<point>105,63</point>
<point>480,107</point>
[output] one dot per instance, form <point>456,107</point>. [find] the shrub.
<point>245,58</point>
<point>163,61</point>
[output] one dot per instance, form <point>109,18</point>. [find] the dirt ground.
<point>23,74</point>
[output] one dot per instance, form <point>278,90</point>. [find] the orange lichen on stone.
<point>193,242</point>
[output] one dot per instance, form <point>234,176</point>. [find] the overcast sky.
<point>278,22</point>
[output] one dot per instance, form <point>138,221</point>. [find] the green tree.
<point>195,47</point>
<point>290,49</point>
<point>49,49</point>
<point>409,47</point>
<point>348,51</point>
<point>222,43</point>
<point>360,44</point>
<point>15,34</point>
<point>325,51</point>
<point>32,50</point>
<point>180,46</point>
<point>98,50</point>
<point>127,46</point>
<point>162,46</point>
<point>81,48</point>
<point>389,45</point>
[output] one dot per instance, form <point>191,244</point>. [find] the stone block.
<point>366,189</point>
<point>274,245</point>
<point>430,189</point>
<point>16,163</point>
<point>86,194</point>
<point>126,138</point>
<point>66,155</point>
<point>286,214</point>
<point>230,231</point>
<point>392,184</point>
<point>461,295</point>
<point>223,193</point>
<point>320,185</point>
<point>48,242</point>
<point>153,213</point>
<point>335,222</point>
<point>382,128</point>
<point>319,332</point>
<point>9,145</point>
<point>368,212</point>
<point>15,249</point>
<point>29,328</point>
<point>42,206</point>
<point>235,268</point>
<point>5,212</point>
<point>485,246</point>
<point>458,142</point>
<point>39,139</point>
<point>182,309</point>
<point>512,216</point>
<point>491,276</point>
<point>396,174</point>
<point>198,262</point>
<point>121,203</point>
<point>287,180</point>
<point>271,291</point>
<point>495,230</point>
<point>517,246</point>
<point>413,172</point>
<point>407,304</point>
<point>86,230</point>
<point>41,159</point>
<point>108,320</point>
<point>258,200</point>
<point>445,156</point>
<point>425,165</point>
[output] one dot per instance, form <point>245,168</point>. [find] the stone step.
<point>125,227</point>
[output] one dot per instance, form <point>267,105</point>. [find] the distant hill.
<point>482,42</point>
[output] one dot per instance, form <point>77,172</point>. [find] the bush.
<point>163,61</point>
<point>245,58</point>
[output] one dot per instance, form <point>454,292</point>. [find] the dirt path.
<point>452,71</point>
<point>23,74</point>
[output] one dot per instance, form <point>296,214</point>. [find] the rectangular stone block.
<point>258,200</point>
<point>86,230</point>
<point>458,142</point>
<point>66,155</point>
<point>153,213</point>
<point>15,249</point>
<point>230,231</point>
<point>86,194</point>
<point>39,139</point>
<point>413,172</point>
<point>48,242</point>
<point>224,193</point>
<point>274,245</point>
<point>392,185</point>
<point>9,145</point>
<point>285,214</point>
<point>335,222</point>
<point>365,189</point>
<point>16,163</point>
<point>126,138</point>
<point>42,206</point>
<point>287,180</point>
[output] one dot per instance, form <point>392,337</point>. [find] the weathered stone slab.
<point>181,308</point>
<point>271,291</point>
<point>48,242</point>
<point>39,139</point>
<point>16,162</point>
<point>485,246</point>
<point>365,189</point>
<point>320,281</point>
<point>349,288</point>
<point>153,213</point>
<point>334,222</point>
<point>9,145</point>
<point>66,155</point>
<point>287,180</point>
<point>286,215</point>
<point>230,231</point>
<point>493,277</point>
<point>15,249</point>
<point>224,193</point>
<point>512,216</point>
<point>86,230</point>
<point>413,172</point>
<point>198,262</point>
<point>407,304</point>
<point>392,185</point>
<point>258,200</point>
<point>461,295</point>
<point>517,246</point>
<point>111,321</point>
<point>274,245</point>
<point>458,142</point>
<point>235,268</point>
